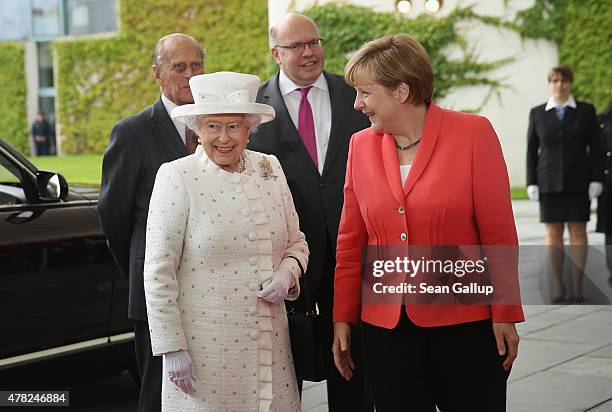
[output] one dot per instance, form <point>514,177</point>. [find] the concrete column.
<point>31,78</point>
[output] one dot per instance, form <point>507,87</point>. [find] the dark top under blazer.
<point>563,156</point>
<point>139,145</point>
<point>318,198</point>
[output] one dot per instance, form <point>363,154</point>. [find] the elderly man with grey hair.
<point>139,145</point>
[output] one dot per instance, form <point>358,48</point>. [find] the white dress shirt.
<point>318,97</point>
<point>551,103</point>
<point>180,127</point>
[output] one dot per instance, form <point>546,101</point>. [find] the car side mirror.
<point>51,186</point>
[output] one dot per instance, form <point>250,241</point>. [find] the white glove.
<point>533,191</point>
<point>595,189</point>
<point>179,368</point>
<point>276,290</point>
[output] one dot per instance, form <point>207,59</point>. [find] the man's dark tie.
<point>191,140</point>
<point>306,127</point>
<point>560,111</point>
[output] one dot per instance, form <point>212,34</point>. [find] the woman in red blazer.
<point>424,176</point>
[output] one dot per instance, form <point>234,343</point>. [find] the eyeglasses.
<point>312,44</point>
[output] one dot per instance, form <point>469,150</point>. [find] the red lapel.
<point>433,122</point>
<point>391,164</point>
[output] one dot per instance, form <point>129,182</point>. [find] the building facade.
<point>36,24</point>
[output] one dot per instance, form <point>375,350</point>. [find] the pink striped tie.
<point>306,127</point>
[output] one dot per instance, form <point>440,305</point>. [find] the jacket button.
<point>400,210</point>
<point>252,261</point>
<point>252,237</point>
<point>606,172</point>
<point>609,154</point>
<point>254,335</point>
<point>253,311</point>
<point>403,236</point>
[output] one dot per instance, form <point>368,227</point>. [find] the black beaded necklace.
<point>410,146</point>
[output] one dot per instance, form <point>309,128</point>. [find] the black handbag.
<point>305,332</point>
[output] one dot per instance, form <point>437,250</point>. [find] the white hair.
<point>195,122</point>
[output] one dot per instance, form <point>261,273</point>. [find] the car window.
<point>11,190</point>
<point>6,176</point>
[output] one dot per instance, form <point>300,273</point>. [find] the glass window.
<point>45,65</point>
<point>45,18</point>
<point>8,173</point>
<point>91,16</point>
<point>47,106</point>
<point>11,191</point>
<point>14,19</point>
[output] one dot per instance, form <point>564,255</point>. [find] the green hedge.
<point>587,47</point>
<point>13,117</point>
<point>99,81</point>
<point>347,27</point>
<point>544,19</point>
<point>581,29</point>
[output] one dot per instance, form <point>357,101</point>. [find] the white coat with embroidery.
<point>212,238</point>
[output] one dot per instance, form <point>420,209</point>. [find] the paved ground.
<point>565,360</point>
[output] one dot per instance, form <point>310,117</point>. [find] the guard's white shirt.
<point>551,103</point>
<point>318,97</point>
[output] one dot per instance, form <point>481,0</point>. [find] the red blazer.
<point>457,193</point>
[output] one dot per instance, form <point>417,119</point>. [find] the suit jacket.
<point>604,201</point>
<point>457,193</point>
<point>563,156</point>
<point>317,197</point>
<point>139,145</point>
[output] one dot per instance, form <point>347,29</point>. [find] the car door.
<point>55,269</point>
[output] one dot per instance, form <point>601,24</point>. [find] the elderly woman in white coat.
<point>223,251</point>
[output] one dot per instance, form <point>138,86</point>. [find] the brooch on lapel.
<point>266,169</point>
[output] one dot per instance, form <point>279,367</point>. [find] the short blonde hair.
<point>391,60</point>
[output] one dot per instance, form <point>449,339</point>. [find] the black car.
<point>63,302</point>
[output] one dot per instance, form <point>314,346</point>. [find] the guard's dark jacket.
<point>564,156</point>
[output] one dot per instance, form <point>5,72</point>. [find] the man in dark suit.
<point>310,135</point>
<point>139,144</point>
<point>41,133</point>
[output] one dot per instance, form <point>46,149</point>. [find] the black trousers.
<point>609,252</point>
<point>456,368</point>
<point>42,148</point>
<point>342,396</point>
<point>149,368</point>
<point>354,395</point>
